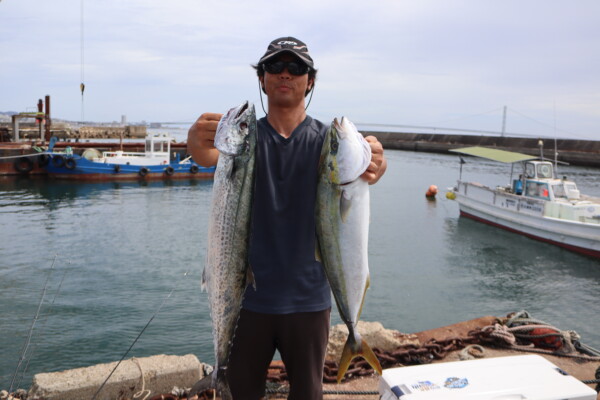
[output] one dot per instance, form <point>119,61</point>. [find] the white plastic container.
<point>528,377</point>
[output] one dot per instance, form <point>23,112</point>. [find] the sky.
<point>435,63</point>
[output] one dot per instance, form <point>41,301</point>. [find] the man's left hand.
<point>378,162</point>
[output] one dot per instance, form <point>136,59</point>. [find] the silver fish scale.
<point>226,266</point>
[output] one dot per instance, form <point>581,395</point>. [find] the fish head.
<point>353,153</point>
<point>234,128</point>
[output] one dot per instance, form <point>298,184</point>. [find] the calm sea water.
<point>111,253</point>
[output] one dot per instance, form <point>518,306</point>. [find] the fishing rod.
<point>35,318</point>
<point>41,330</point>
<point>136,339</point>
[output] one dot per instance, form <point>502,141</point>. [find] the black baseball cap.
<point>288,44</point>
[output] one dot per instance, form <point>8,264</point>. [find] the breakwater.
<point>574,152</point>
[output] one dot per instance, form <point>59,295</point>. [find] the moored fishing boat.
<point>538,204</point>
<point>154,163</point>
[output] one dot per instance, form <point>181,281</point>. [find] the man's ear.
<point>261,79</point>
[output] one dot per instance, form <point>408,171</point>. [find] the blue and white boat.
<point>154,163</point>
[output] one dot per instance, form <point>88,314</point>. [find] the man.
<point>290,308</point>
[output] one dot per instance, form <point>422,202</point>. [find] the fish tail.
<point>353,348</point>
<point>222,385</point>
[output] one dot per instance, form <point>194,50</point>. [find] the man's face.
<point>284,88</point>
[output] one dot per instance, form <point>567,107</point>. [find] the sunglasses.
<point>293,67</point>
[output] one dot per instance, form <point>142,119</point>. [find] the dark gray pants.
<point>301,339</point>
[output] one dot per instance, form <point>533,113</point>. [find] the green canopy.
<point>494,154</point>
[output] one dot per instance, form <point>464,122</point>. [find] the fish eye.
<point>243,125</point>
<point>334,147</point>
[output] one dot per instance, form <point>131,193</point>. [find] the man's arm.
<point>378,162</point>
<point>201,139</point>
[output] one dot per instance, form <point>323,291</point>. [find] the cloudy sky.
<point>442,63</point>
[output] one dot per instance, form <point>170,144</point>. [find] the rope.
<point>471,352</point>
<point>143,389</point>
<point>24,155</point>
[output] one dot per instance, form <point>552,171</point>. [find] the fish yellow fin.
<point>352,350</point>
<point>318,255</point>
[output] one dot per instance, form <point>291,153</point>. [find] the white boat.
<point>537,204</point>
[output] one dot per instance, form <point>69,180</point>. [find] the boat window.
<point>537,189</point>
<point>148,146</point>
<point>158,147</point>
<point>545,170</point>
<point>559,191</point>
<point>570,186</point>
<point>531,188</point>
<point>543,190</point>
<point>530,171</point>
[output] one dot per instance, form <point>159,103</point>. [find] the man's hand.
<point>378,162</point>
<point>201,139</point>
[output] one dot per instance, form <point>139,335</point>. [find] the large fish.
<point>227,273</point>
<point>342,218</point>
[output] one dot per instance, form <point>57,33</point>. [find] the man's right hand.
<point>201,139</point>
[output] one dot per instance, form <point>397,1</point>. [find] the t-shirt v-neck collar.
<point>294,132</point>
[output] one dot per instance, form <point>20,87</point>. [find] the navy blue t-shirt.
<point>282,244</point>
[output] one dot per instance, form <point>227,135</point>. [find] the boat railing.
<point>119,153</point>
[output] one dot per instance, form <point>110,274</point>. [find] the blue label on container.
<point>456,383</point>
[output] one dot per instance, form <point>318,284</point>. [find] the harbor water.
<point>101,260</point>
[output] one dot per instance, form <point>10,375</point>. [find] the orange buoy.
<point>431,192</point>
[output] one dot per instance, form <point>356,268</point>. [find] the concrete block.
<point>159,374</point>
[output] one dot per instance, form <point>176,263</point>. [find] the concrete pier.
<point>156,374</point>
<point>575,152</point>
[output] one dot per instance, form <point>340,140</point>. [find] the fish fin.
<point>201,386</point>
<point>318,254</point>
<point>345,204</point>
<point>370,357</point>
<point>250,278</point>
<point>222,385</point>
<point>353,349</point>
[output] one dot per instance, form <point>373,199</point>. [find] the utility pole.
<point>504,121</point>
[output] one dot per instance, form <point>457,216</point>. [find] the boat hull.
<point>79,168</point>
<point>525,216</point>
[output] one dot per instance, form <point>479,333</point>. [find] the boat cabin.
<point>538,181</point>
<point>157,149</point>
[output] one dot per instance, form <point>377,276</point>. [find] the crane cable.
<point>82,84</point>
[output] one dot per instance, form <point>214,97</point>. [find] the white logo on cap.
<point>284,42</point>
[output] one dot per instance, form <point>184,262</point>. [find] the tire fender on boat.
<point>169,170</point>
<point>58,161</point>
<point>143,171</point>
<point>70,163</point>
<point>43,160</point>
<point>194,169</point>
<point>23,165</point>
<point>117,168</point>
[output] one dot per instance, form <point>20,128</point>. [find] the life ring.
<point>169,170</point>
<point>194,169</point>
<point>545,171</point>
<point>23,165</point>
<point>43,160</point>
<point>70,163</point>
<point>58,161</point>
<point>143,171</point>
<point>117,168</point>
